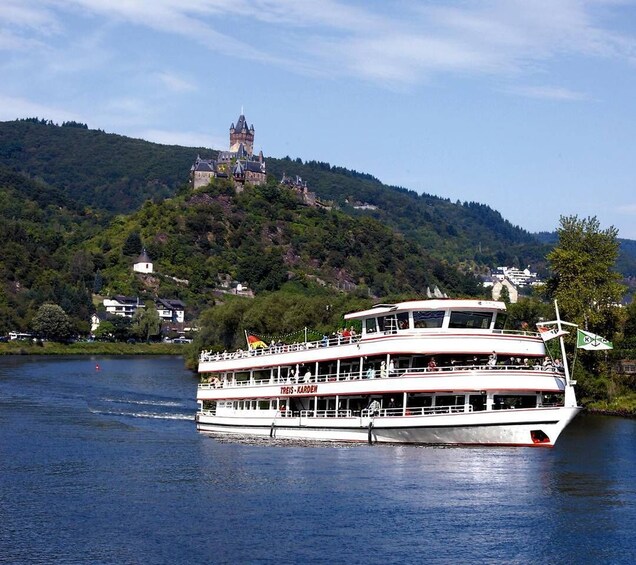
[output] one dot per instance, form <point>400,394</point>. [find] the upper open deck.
<point>436,326</point>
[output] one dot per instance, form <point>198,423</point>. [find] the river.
<point>100,462</point>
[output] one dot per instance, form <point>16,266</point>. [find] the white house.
<point>512,290</point>
<point>143,264</point>
<point>122,305</point>
<point>172,311</point>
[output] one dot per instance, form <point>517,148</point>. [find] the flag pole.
<point>569,395</point>
<point>247,341</point>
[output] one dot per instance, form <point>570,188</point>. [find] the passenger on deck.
<point>307,377</point>
<point>383,370</point>
<point>392,371</point>
<point>370,373</point>
<point>374,408</point>
<point>432,365</point>
<point>492,360</point>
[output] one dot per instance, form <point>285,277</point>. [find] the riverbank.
<point>624,406</point>
<point>92,348</point>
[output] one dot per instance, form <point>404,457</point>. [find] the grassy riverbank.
<point>621,405</point>
<point>93,348</point>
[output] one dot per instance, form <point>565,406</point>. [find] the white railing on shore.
<point>353,376</point>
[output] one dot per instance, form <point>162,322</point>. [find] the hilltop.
<point>115,174</point>
<point>70,198</point>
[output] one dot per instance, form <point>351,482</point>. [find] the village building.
<point>516,281</point>
<point>298,185</point>
<point>170,311</point>
<point>498,287</point>
<point>239,164</point>
<point>120,305</point>
<point>143,264</point>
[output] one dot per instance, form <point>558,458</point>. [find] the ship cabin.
<point>389,359</point>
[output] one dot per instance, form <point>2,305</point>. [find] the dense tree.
<point>589,293</point>
<point>146,323</point>
<point>51,322</point>
<point>105,330</point>
<point>584,282</point>
<point>121,327</point>
<point>132,245</point>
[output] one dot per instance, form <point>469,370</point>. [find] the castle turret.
<point>241,134</point>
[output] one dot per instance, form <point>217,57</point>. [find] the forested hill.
<point>117,174</point>
<point>99,170</point>
<point>458,232</point>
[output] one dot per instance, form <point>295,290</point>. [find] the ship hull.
<point>535,427</point>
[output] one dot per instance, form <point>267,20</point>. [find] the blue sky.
<point>528,106</point>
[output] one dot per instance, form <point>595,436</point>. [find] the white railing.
<point>326,413</point>
<point>278,348</point>
<point>355,375</point>
<point>418,411</point>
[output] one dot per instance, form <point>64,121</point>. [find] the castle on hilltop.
<point>238,164</point>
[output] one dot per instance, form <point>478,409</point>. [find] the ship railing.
<point>418,410</point>
<point>515,332</point>
<point>326,341</point>
<point>376,374</point>
<point>276,348</point>
<point>326,413</point>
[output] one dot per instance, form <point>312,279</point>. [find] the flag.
<point>254,342</point>
<point>547,333</point>
<point>591,342</point>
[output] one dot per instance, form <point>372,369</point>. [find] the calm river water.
<point>105,466</point>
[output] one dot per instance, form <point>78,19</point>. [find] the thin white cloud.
<point>627,209</point>
<point>174,82</point>
<point>185,138</point>
<point>547,93</point>
<point>24,14</point>
<point>369,41</point>
<point>12,107</point>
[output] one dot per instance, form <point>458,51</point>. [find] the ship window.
<point>428,319</point>
<point>449,400</point>
<point>263,404</point>
<point>403,320</point>
<point>552,399</point>
<point>473,320</point>
<point>477,402</point>
<point>370,325</point>
<point>504,401</point>
<point>418,400</point>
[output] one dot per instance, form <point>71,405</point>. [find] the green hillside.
<point>265,237</point>
<point>467,233</point>
<point>96,169</point>
<point>41,256</point>
<point>117,174</point>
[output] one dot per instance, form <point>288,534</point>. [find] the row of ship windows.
<point>477,402</point>
<point>426,319</point>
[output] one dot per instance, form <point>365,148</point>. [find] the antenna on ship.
<point>558,331</point>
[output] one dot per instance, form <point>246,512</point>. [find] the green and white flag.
<point>591,342</point>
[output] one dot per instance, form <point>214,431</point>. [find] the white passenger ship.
<point>428,372</point>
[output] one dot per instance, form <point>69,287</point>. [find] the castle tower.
<point>241,134</point>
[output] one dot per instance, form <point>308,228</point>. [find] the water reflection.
<point>87,475</point>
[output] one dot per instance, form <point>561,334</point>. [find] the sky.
<point>528,106</point>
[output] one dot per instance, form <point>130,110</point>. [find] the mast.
<point>570,396</point>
